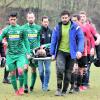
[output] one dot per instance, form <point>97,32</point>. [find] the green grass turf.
<point>7,92</point>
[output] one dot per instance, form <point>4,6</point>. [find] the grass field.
<point>7,93</point>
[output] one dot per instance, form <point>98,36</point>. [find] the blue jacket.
<point>76,39</point>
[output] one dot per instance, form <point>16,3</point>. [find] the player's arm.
<point>92,51</point>
<point>95,34</point>
<point>26,42</point>
<point>97,42</point>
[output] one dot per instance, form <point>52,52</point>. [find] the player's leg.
<point>11,67</point>
<point>26,76</point>
<point>33,74</point>
<point>20,67</point>
<point>82,67</point>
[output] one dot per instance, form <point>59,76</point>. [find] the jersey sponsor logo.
<point>32,35</point>
<point>14,36</point>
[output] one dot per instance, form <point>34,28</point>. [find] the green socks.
<point>25,77</point>
<point>14,82</point>
<point>33,79</point>
<point>21,80</point>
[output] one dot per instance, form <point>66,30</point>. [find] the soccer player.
<point>17,50</point>
<point>88,24</point>
<point>33,32</point>
<point>89,46</point>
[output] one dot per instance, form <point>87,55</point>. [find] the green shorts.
<point>15,61</point>
<point>31,63</point>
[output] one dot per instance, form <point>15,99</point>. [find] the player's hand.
<point>53,57</point>
<point>97,42</point>
<point>26,67</point>
<point>92,51</point>
<point>78,55</point>
<point>28,56</point>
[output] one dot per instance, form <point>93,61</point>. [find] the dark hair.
<point>13,14</point>
<point>30,12</point>
<point>44,17</point>
<point>82,12</point>
<point>65,12</point>
<point>77,16</point>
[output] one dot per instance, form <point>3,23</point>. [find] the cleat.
<point>26,89</point>
<point>31,89</point>
<point>17,93</point>
<point>21,91</point>
<point>81,88</point>
<point>71,91</point>
<point>84,88</point>
<point>6,81</point>
<point>58,93</point>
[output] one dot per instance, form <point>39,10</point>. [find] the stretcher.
<point>46,56</point>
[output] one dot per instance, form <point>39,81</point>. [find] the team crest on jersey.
<point>18,32</point>
<point>35,31</point>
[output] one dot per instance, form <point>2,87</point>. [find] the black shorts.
<point>82,62</point>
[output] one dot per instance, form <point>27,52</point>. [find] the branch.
<point>7,5</point>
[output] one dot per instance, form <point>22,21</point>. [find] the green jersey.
<point>64,44</point>
<point>33,33</point>
<point>17,40</point>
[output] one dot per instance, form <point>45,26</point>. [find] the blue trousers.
<point>44,72</point>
